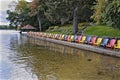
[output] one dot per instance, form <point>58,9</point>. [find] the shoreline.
<point>79,46</point>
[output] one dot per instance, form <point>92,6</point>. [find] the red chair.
<point>92,40</point>
<point>111,43</point>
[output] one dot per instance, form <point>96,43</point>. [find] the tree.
<point>107,12</point>
<point>20,15</point>
<point>36,8</point>
<point>98,11</point>
<point>61,11</point>
<point>12,17</point>
<point>22,4</point>
<point>111,15</point>
<point>75,21</point>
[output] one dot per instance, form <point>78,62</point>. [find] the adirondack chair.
<point>62,36</point>
<point>44,35</point>
<point>78,39</point>
<point>54,36</point>
<point>104,42</point>
<point>41,34</point>
<point>75,37</point>
<point>65,38</point>
<point>117,45</point>
<point>111,43</point>
<point>57,37</point>
<point>92,40</point>
<point>37,33</point>
<point>71,38</point>
<point>87,40</point>
<point>97,43</point>
<point>48,35</point>
<point>83,39</point>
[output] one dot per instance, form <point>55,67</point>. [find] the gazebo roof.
<point>28,27</point>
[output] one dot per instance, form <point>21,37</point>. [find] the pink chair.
<point>111,43</point>
<point>92,40</point>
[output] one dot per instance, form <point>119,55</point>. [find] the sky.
<point>3,8</point>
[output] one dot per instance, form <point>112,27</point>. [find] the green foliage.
<point>21,5</point>
<point>61,11</point>
<point>111,14</point>
<point>20,15</point>
<point>5,27</point>
<point>66,29</point>
<point>98,11</point>
<point>107,12</point>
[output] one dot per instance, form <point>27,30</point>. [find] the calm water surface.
<point>22,60</point>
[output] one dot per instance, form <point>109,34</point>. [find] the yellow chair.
<point>49,35</point>
<point>55,36</point>
<point>83,39</point>
<point>97,43</point>
<point>117,46</point>
<point>71,38</point>
<point>62,37</point>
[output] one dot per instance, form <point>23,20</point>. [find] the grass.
<point>98,30</point>
<point>102,31</point>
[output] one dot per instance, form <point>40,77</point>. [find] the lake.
<point>21,59</point>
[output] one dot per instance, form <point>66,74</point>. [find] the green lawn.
<point>102,31</point>
<point>92,30</point>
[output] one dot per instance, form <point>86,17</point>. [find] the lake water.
<point>20,59</point>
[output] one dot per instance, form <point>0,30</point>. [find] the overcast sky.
<point>3,7</point>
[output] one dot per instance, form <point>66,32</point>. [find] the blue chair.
<point>87,40</point>
<point>65,38</point>
<point>104,42</point>
<point>75,37</point>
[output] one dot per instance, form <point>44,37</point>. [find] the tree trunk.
<point>75,21</point>
<point>39,22</point>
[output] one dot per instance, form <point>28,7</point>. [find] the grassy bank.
<point>102,31</point>
<point>91,30</point>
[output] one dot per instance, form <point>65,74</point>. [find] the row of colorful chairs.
<point>105,42</point>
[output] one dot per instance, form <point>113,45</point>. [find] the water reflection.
<point>9,42</point>
<point>25,61</point>
<point>48,65</point>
